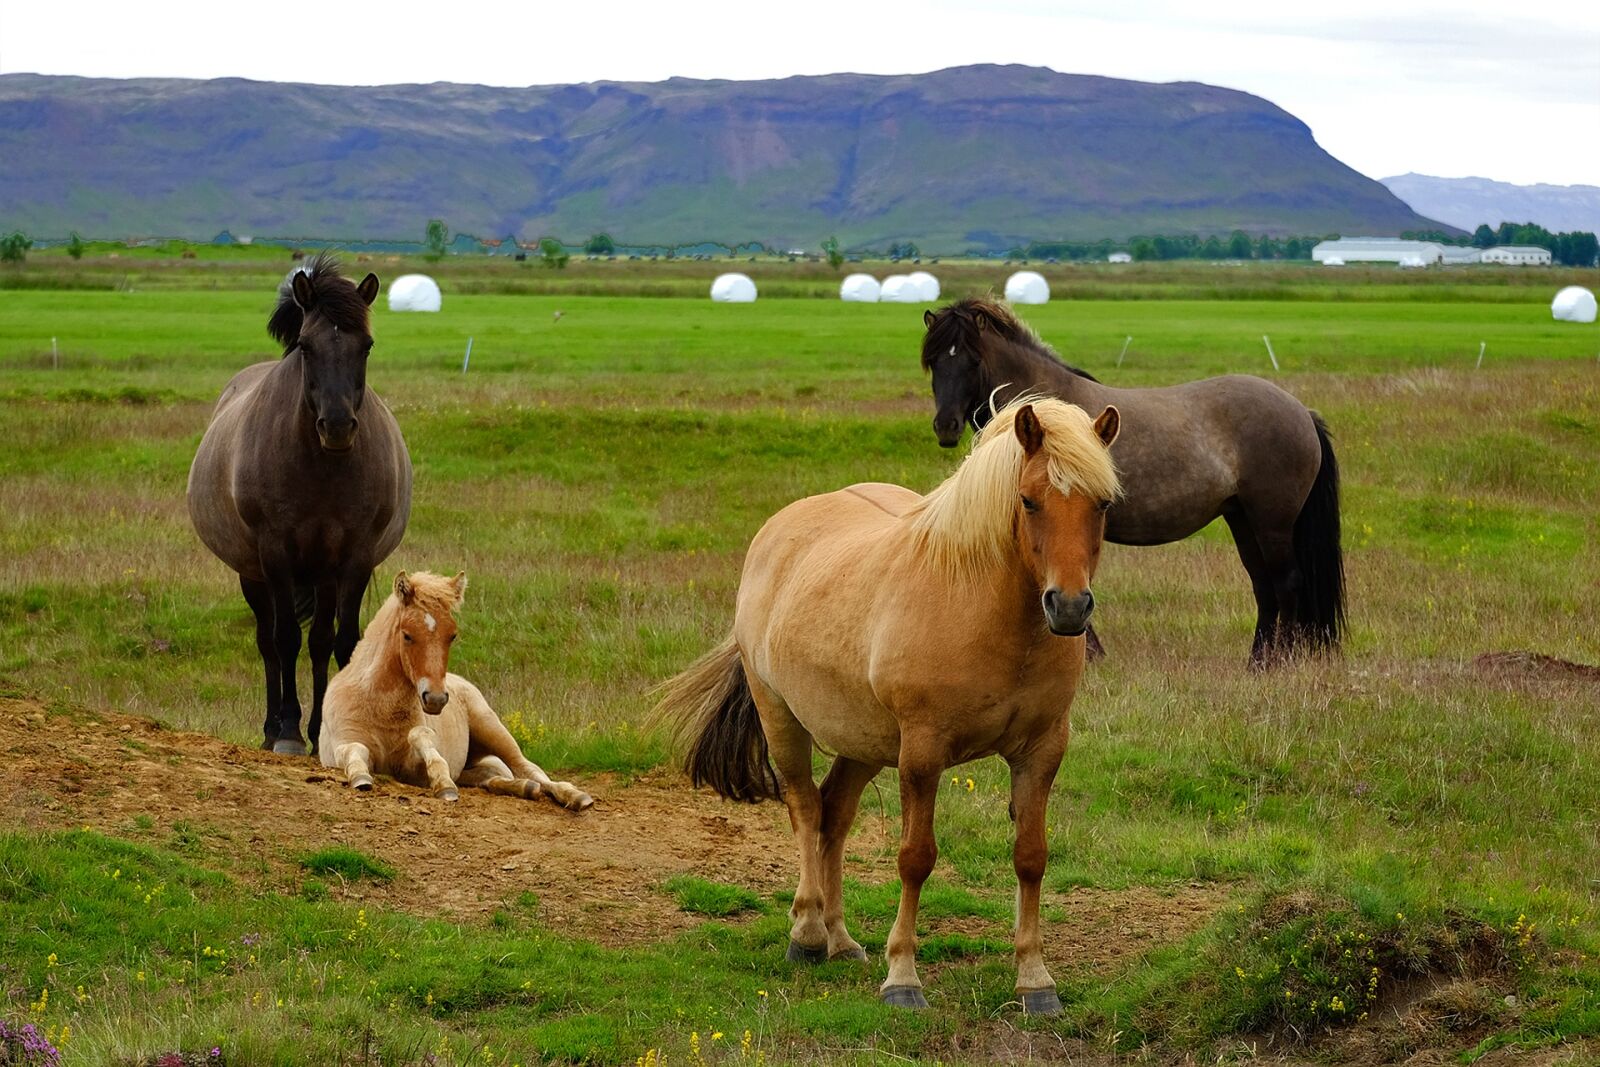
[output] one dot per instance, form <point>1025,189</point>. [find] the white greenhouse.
<point>1027,287</point>
<point>414,292</point>
<point>733,289</point>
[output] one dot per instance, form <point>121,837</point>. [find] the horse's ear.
<point>403,588</point>
<point>368,289</point>
<point>459,583</point>
<point>927,319</point>
<point>304,294</point>
<point>1029,430</point>
<point>1108,425</point>
<point>979,320</point>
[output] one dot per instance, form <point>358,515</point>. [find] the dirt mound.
<point>1532,665</point>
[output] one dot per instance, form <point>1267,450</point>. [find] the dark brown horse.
<point>302,485</point>
<point>1236,446</point>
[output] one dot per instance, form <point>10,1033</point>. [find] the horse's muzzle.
<point>336,435</point>
<point>948,431</point>
<point>433,703</point>
<point>1067,616</point>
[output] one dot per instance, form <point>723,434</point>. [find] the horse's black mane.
<point>956,324</point>
<point>336,300</point>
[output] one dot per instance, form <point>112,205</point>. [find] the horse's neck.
<point>284,390</point>
<point>1025,369</point>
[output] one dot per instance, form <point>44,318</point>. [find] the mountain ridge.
<point>1472,201</point>
<point>985,155</point>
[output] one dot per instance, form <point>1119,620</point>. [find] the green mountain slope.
<point>984,155</point>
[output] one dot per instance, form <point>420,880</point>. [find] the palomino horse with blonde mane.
<point>395,710</point>
<point>916,632</point>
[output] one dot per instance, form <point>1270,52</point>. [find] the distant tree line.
<point>1576,249</point>
<point>1237,245</point>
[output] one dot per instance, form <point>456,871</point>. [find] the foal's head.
<point>424,630</point>
<point>324,315</point>
<point>1059,533</point>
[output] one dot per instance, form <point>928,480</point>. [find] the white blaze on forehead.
<point>430,620</point>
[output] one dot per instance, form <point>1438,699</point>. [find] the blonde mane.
<point>432,593</point>
<point>964,526</point>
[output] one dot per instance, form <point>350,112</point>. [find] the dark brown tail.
<point>1319,611</point>
<point>710,703</point>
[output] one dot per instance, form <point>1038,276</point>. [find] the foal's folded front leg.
<point>425,746</point>
<point>356,760</point>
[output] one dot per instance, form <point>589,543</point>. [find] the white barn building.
<point>1391,250</point>
<point>1517,255</point>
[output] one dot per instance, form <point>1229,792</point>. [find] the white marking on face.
<point>430,620</point>
<point>422,687</point>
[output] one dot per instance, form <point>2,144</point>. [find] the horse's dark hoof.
<point>1041,1002</point>
<point>903,996</point>
<point>857,953</point>
<point>284,747</point>
<point>799,953</point>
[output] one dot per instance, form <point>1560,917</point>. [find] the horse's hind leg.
<point>260,601</point>
<point>1261,584</point>
<point>492,775</point>
<point>490,740</point>
<point>841,796</point>
<point>789,749</point>
<point>352,587</point>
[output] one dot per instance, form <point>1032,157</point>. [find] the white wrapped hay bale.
<point>927,285</point>
<point>860,289</point>
<point>1333,261</point>
<point>900,289</point>
<point>1573,304</point>
<point>1027,287</point>
<point>414,292</point>
<point>733,289</point>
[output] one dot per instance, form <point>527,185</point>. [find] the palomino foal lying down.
<point>394,709</point>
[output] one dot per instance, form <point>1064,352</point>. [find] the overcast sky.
<point>1495,89</point>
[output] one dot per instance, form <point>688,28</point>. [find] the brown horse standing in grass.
<point>300,498</point>
<point>396,710</point>
<point>1236,446</point>
<point>916,632</point>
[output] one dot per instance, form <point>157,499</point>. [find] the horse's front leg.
<point>425,748</point>
<point>286,640</point>
<point>919,785</point>
<point>356,760</point>
<point>1031,778</point>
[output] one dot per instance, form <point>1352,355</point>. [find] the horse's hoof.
<point>362,782</point>
<point>1041,1002</point>
<point>799,953</point>
<point>449,794</point>
<point>903,996</point>
<point>582,802</point>
<point>854,952</point>
<point>289,747</point>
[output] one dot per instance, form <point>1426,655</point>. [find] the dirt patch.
<point>596,875</point>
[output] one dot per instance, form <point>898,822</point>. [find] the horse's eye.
<point>1104,505</point>
<point>452,639</point>
<point>407,637</point>
<point>1029,505</point>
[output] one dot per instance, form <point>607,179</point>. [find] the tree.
<point>830,248</point>
<point>1142,248</point>
<point>14,247</point>
<point>75,246</point>
<point>1239,245</point>
<point>552,254</point>
<point>599,244</point>
<point>1483,237</point>
<point>436,240</point>
<point>1293,248</point>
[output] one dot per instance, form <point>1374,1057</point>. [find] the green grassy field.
<point>599,477</point>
